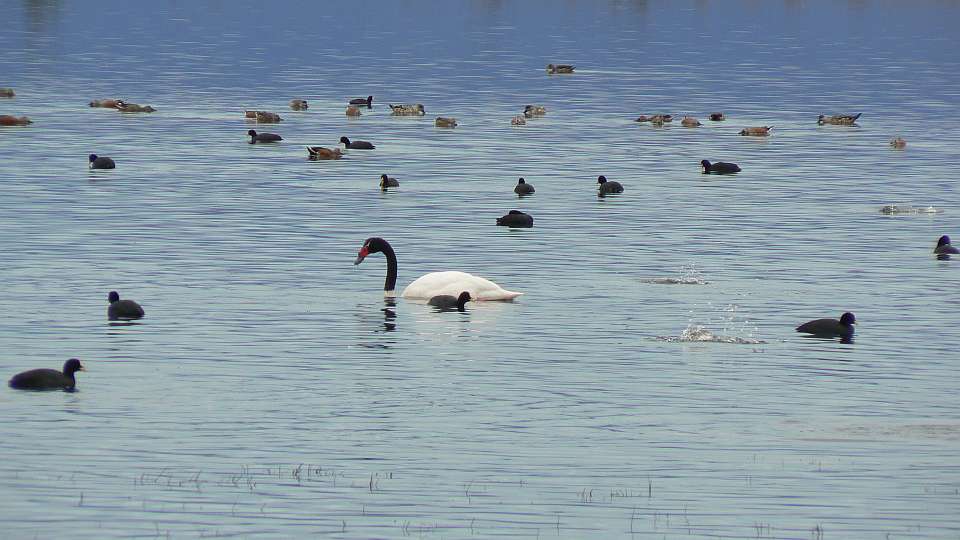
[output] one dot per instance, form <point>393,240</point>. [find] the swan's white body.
<point>453,283</point>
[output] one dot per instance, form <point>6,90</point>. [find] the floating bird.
<point>717,117</point>
<point>107,103</point>
<point>7,92</point>
<point>299,104</point>
<point>352,110</point>
<point>838,119</point>
<point>898,142</point>
<point>756,131</point>
<point>134,108</point>
<point>655,118</point>
<point>606,187</point>
<point>317,153</point>
<point>263,137</point>
<point>445,122</point>
<point>560,68</point>
<point>264,117</point>
<point>448,302</point>
<point>523,188</point>
<point>689,121</point>
<point>388,182</point>
<point>408,110</point>
<point>518,120</point>
<point>534,110</point>
<point>48,379</point>
<point>357,145</point>
<point>8,120</point>
<point>944,248</point>
<point>719,167</point>
<point>435,283</point>
<point>516,219</point>
<point>368,101</point>
<point>830,328</point>
<point>101,162</point>
<point>122,309</point>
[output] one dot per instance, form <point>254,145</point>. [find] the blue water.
<point>648,384</point>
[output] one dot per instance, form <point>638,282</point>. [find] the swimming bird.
<point>523,188</point>
<point>689,121</point>
<point>388,182</point>
<point>429,285</point>
<point>299,104</point>
<point>48,379</point>
<point>606,187</point>
<point>445,122</point>
<point>655,118</point>
<point>448,302</point>
<point>560,68</point>
<point>408,110</point>
<point>518,120</point>
<point>7,92</point>
<point>534,110</point>
<point>944,247</point>
<point>263,117</point>
<point>762,131</point>
<point>717,117</point>
<point>368,101</point>
<point>357,145</point>
<point>134,108</point>
<point>317,153</point>
<point>263,137</point>
<point>719,167</point>
<point>352,110</point>
<point>122,309</point>
<point>838,119</point>
<point>101,162</point>
<point>830,327</point>
<point>516,219</point>
<point>8,120</point>
<point>898,142</point>
<point>107,103</point>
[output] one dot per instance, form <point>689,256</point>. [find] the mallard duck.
<point>388,182</point>
<point>838,119</point>
<point>352,110</point>
<point>317,153</point>
<point>48,379</point>
<point>263,137</point>
<point>560,68</point>
<point>101,162</point>
<point>107,103</point>
<point>408,110</point>
<point>689,121</point>
<point>7,120</point>
<point>606,187</point>
<point>720,167</point>
<point>134,108</point>
<point>898,142</point>
<point>516,219</point>
<point>518,120</point>
<point>655,118</point>
<point>357,145</point>
<point>448,302</point>
<point>762,131</point>
<point>830,328</point>
<point>7,92</point>
<point>299,104</point>
<point>368,101</point>
<point>446,122</point>
<point>717,117</point>
<point>534,110</point>
<point>122,309</point>
<point>523,188</point>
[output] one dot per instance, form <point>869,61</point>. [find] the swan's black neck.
<point>391,282</point>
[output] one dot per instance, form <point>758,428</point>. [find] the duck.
<point>762,131</point>
<point>560,68</point>
<point>408,110</point>
<point>445,122</point>
<point>898,142</point>
<point>717,117</point>
<point>352,110</point>
<point>316,153</point>
<point>48,379</point>
<point>689,121</point>
<point>606,187</point>
<point>263,137</point>
<point>515,219</point>
<point>944,247</point>
<point>368,101</point>
<point>448,302</point>
<point>518,120</point>
<point>720,167</point>
<point>299,104</point>
<point>357,145</point>
<point>523,188</point>
<point>8,120</point>
<point>534,110</point>
<point>107,103</point>
<point>435,283</point>
<point>7,92</point>
<point>122,309</point>
<point>655,118</point>
<point>101,162</point>
<point>388,182</point>
<point>265,117</point>
<point>838,119</point>
<point>830,328</point>
<point>134,108</point>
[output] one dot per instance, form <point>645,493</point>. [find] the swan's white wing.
<point>453,283</point>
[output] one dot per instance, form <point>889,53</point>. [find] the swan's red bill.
<point>362,255</point>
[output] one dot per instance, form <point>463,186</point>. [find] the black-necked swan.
<point>435,283</point>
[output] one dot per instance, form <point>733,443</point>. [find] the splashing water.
<point>896,209</point>
<point>733,329</point>
<point>689,275</point>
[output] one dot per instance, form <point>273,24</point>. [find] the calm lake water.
<point>267,394</point>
